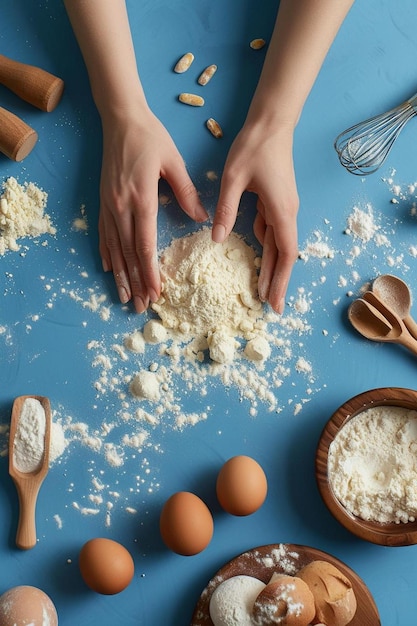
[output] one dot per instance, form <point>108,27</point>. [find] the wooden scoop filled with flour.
<point>29,444</point>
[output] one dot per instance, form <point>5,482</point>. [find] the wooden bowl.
<point>392,534</point>
<point>285,558</point>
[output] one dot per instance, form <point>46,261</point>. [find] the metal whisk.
<point>363,148</point>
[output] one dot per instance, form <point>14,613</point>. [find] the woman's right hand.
<point>137,152</point>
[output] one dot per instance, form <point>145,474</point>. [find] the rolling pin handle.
<point>33,84</point>
<point>16,137</point>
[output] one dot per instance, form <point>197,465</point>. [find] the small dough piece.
<point>257,349</point>
<point>287,600</point>
<point>222,347</point>
<point>135,342</point>
<point>154,332</point>
<point>232,601</point>
<point>333,593</point>
<point>145,385</point>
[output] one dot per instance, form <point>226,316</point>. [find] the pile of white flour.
<point>22,214</point>
<point>209,286</point>
<point>372,465</point>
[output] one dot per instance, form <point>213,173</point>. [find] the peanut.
<point>257,44</point>
<point>183,64</point>
<point>192,99</point>
<point>207,74</point>
<point>214,127</point>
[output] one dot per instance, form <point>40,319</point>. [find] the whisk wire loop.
<point>363,148</point>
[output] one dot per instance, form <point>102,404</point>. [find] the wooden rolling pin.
<point>16,137</point>
<point>32,84</point>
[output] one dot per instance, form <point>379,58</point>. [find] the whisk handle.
<point>413,102</point>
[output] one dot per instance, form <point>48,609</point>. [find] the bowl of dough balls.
<point>287,584</point>
<point>366,466</point>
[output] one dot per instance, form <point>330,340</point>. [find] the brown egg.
<point>286,600</point>
<point>241,485</point>
<point>106,566</point>
<point>186,524</point>
<point>24,605</point>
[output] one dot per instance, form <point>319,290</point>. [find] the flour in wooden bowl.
<point>372,465</point>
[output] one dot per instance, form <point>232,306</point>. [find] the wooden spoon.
<point>28,483</point>
<point>396,294</point>
<point>370,322</point>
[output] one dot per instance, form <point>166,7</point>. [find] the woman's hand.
<point>136,154</point>
<point>260,160</point>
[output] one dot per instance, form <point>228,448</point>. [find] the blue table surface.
<point>45,343</point>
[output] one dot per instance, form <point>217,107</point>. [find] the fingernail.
<point>219,233</point>
<point>281,306</point>
<point>106,265</point>
<point>202,215</point>
<point>139,304</point>
<point>123,294</point>
<point>153,297</point>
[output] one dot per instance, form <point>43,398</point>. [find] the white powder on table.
<point>22,214</point>
<point>209,287</point>
<point>361,224</point>
<point>372,464</point>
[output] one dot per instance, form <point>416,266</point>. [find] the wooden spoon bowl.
<point>28,483</point>
<point>391,534</point>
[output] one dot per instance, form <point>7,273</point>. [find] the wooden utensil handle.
<point>32,84</point>
<point>411,326</point>
<point>16,137</point>
<point>408,342</point>
<point>26,528</point>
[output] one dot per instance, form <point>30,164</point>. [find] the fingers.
<point>184,190</point>
<point>280,251</point>
<point>128,238</point>
<point>259,227</point>
<point>227,207</point>
<point>128,247</point>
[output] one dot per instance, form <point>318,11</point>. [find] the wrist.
<point>113,109</point>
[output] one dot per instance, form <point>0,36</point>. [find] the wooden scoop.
<point>32,84</point>
<point>28,483</point>
<point>373,324</point>
<point>397,296</point>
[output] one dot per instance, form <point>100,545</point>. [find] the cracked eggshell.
<point>334,597</point>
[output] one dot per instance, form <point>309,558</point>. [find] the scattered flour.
<point>361,223</point>
<point>81,223</point>
<point>257,358</point>
<point>318,248</point>
<point>22,214</point>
